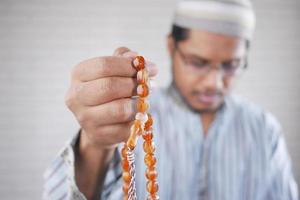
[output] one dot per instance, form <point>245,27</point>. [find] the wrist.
<point>91,164</point>
<point>89,150</point>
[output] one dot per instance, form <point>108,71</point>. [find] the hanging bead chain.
<point>142,126</point>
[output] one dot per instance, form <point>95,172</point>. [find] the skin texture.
<point>204,94</point>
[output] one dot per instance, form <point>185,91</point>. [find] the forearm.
<point>91,163</point>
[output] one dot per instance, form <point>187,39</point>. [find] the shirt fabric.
<point>243,156</point>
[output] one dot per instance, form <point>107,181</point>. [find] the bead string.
<point>132,189</point>
<point>142,126</point>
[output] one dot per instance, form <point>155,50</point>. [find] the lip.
<point>207,98</point>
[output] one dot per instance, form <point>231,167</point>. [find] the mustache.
<point>207,92</point>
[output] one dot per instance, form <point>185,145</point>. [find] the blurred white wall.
<point>40,41</point>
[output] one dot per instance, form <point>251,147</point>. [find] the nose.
<point>212,81</point>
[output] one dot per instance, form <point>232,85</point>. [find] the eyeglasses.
<point>202,67</point>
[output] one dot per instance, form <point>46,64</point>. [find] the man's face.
<point>202,84</point>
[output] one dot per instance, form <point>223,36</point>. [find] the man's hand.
<point>100,98</point>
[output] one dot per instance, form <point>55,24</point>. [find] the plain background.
<point>40,42</point>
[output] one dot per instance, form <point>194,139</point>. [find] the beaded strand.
<point>142,126</point>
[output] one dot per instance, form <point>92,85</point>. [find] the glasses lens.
<point>197,63</point>
<point>230,68</point>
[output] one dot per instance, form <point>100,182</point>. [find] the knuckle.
<point>72,95</point>
<point>102,61</point>
<point>104,65</point>
<point>124,110</point>
<point>69,99</point>
<point>82,118</point>
<point>76,70</point>
<point>107,84</point>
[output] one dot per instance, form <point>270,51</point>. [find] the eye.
<point>198,63</point>
<point>230,66</point>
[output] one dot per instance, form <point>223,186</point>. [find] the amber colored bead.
<point>132,140</point>
<point>142,76</point>
<point>136,128</point>
<point>125,165</point>
<point>152,187</point>
<point>141,117</point>
<point>149,122</point>
<point>125,188</point>
<point>153,197</point>
<point>139,63</point>
<point>124,151</point>
<point>142,90</point>
<point>150,160</point>
<point>126,177</point>
<point>125,197</point>
<point>151,174</point>
<point>148,136</point>
<point>149,146</point>
<point>131,143</point>
<point>142,105</point>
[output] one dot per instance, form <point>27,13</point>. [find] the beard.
<point>195,94</point>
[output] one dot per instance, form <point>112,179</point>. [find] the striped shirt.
<point>243,156</point>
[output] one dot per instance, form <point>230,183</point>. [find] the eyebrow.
<point>234,59</point>
<point>208,60</point>
<point>199,57</point>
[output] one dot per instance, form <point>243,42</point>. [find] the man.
<point>211,144</point>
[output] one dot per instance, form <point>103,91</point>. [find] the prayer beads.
<point>142,126</point>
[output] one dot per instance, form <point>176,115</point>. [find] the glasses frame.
<point>219,67</point>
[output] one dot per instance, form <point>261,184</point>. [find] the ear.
<point>170,45</point>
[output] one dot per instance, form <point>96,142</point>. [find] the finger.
<point>130,54</point>
<point>112,134</point>
<point>114,112</point>
<point>120,51</point>
<point>125,52</point>
<point>100,67</point>
<point>104,90</point>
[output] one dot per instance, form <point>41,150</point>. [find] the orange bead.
<point>125,197</point>
<point>142,90</point>
<point>151,174</point>
<point>142,105</point>
<point>125,188</point>
<point>142,76</point>
<point>132,141</point>
<point>136,128</point>
<point>149,122</point>
<point>148,136</point>
<point>125,165</point>
<point>153,197</point>
<point>149,146</point>
<point>124,151</point>
<point>150,160</point>
<point>126,177</point>
<point>152,187</point>
<point>139,63</point>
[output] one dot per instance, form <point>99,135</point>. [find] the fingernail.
<point>152,68</point>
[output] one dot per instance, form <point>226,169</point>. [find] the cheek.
<point>228,82</point>
<point>184,81</point>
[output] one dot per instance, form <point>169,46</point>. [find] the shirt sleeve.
<point>59,178</point>
<point>281,184</point>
